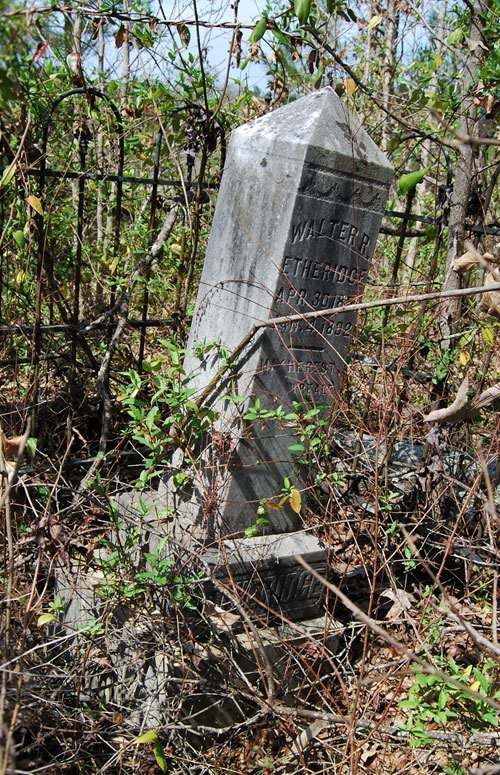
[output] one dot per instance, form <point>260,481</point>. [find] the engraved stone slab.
<point>296,222</point>
<point>266,576</point>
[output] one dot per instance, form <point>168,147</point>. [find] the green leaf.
<point>8,174</point>
<point>160,756</point>
<point>297,448</point>
<point>151,736</point>
<point>488,335</point>
<point>152,415</point>
<point>410,181</point>
<point>32,444</point>
<point>302,10</point>
<point>319,77</point>
<point>280,36</point>
<point>456,37</point>
<point>19,238</point>
<point>45,619</point>
<point>259,30</point>
<point>410,703</point>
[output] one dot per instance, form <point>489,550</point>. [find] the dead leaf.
<point>11,447</point>
<point>36,204</point>
<point>465,262</point>
<point>307,735</point>
<point>475,44</point>
<point>312,60</point>
<point>490,301</point>
<point>41,50</point>
<point>236,49</point>
<point>254,53</point>
<point>486,398</point>
<point>369,752</point>
<point>297,44</point>
<point>74,62</point>
<point>463,409</point>
<point>402,602</point>
<point>184,34</point>
<point>350,86</point>
<point>120,37</point>
<point>96,26</point>
<point>295,500</point>
<point>223,620</point>
<point>472,258</point>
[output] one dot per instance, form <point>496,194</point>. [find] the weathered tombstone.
<point>297,217</point>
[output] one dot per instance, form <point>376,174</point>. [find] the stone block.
<point>265,574</point>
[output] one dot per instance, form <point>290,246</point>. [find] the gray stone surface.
<point>265,574</point>
<point>296,222</point>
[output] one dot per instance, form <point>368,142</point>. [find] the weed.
<point>158,401</point>
<point>57,606</point>
<point>433,700</point>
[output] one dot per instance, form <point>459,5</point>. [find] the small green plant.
<point>393,529</point>
<point>433,700</point>
<point>122,580</point>
<point>409,562</point>
<point>257,412</point>
<point>453,767</point>
<point>289,494</point>
<point>57,606</point>
<point>160,569</point>
<point>311,423</point>
<point>262,521</point>
<point>92,629</point>
<point>387,501</point>
<point>151,737</point>
<point>158,401</point>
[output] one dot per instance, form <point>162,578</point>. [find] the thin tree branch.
<point>123,306</point>
<point>426,667</point>
<point>327,313</point>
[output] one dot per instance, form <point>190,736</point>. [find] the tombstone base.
<point>264,573</point>
<point>284,660</point>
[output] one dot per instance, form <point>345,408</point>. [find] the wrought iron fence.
<point>99,138</point>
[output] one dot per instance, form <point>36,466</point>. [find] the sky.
<point>218,42</point>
